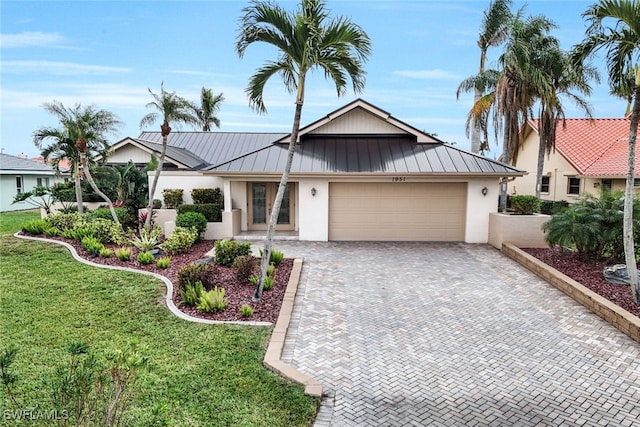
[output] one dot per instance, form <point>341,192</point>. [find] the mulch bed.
<point>589,274</point>
<point>238,294</point>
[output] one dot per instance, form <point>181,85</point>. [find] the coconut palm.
<point>171,109</point>
<point>82,134</point>
<point>494,30</point>
<point>208,108</point>
<point>305,40</point>
<point>614,27</point>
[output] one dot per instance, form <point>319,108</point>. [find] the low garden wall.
<point>226,229</point>
<point>615,315</point>
<point>524,231</point>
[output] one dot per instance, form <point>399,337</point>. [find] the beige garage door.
<point>403,211</point>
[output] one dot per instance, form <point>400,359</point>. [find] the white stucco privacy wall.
<point>184,180</point>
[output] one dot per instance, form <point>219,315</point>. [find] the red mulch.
<point>589,274</point>
<point>238,294</point>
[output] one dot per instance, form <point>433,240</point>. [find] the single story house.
<point>590,154</point>
<point>19,174</point>
<point>358,174</point>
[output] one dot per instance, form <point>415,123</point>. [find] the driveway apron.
<point>432,334</point>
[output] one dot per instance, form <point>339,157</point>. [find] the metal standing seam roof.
<point>214,148</point>
<point>366,154</point>
<point>180,155</point>
<point>13,164</point>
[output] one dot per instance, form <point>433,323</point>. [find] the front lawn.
<point>195,375</point>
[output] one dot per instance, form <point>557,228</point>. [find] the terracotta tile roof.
<point>595,147</point>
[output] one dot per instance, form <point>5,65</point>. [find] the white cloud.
<point>31,39</point>
<point>58,68</point>
<point>435,74</point>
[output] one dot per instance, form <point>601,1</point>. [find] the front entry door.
<point>262,195</point>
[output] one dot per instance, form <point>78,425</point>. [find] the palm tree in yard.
<point>305,40</point>
<point>493,32</point>
<point>208,108</point>
<point>171,109</point>
<point>614,27</point>
<point>82,134</point>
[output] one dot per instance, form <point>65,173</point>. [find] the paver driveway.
<point>452,335</point>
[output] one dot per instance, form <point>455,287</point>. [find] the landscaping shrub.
<point>64,221</point>
<point>204,195</point>
<point>268,283</point>
<point>52,232</point>
<point>104,230</point>
<point>197,272</point>
<point>213,300</point>
<point>244,265</point>
<point>191,293</point>
<point>172,197</point>
<point>550,207</point>
<point>193,220</point>
<point>80,233</point>
<point>146,258</point>
<point>523,204</point>
<point>37,226</point>
<point>275,257</point>
<point>211,211</point>
<point>92,245</point>
<point>180,240</point>
<point>106,253</point>
<point>123,254</point>
<point>105,213</point>
<point>156,204</point>
<point>228,250</point>
<point>246,310</point>
<point>163,262</point>
<point>147,238</point>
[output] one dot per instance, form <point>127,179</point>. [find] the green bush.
<point>244,266</point>
<point>82,232</point>
<point>37,226</point>
<point>525,204</point>
<point>105,213</point>
<point>104,230</point>
<point>92,245</point>
<point>269,282</point>
<point>203,195</point>
<point>163,262</point>
<point>172,197</point>
<point>123,254</point>
<point>275,257</point>
<point>246,310</point>
<point>271,270</point>
<point>156,203</point>
<point>550,207</point>
<point>213,300</point>
<point>52,232</point>
<point>228,250</point>
<point>180,240</point>
<point>64,221</point>
<point>211,211</point>
<point>146,258</point>
<point>197,272</point>
<point>191,293</point>
<point>106,253</point>
<point>192,220</point>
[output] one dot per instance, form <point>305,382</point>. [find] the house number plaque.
<point>399,179</point>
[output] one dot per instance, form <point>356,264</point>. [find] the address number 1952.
<point>399,179</point>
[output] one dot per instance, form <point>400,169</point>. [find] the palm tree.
<point>206,111</point>
<point>614,26</point>
<point>305,40</point>
<point>493,32</point>
<point>82,133</point>
<point>172,109</point>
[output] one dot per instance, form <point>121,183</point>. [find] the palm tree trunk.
<point>505,159</point>
<point>541,151</point>
<point>156,176</point>
<point>275,211</point>
<point>78,186</point>
<point>629,246</point>
<point>475,130</point>
<point>87,174</point>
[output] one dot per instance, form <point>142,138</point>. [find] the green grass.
<point>205,375</point>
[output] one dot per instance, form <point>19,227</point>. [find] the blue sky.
<point>110,53</point>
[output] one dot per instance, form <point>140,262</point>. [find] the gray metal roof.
<point>180,155</point>
<point>366,154</point>
<point>12,164</point>
<point>214,147</point>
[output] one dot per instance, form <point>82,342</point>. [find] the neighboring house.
<point>17,175</point>
<point>590,154</point>
<point>358,174</point>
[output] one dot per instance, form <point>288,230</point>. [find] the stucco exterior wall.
<point>129,152</point>
<point>184,180</point>
<point>8,189</point>
<point>313,211</point>
<point>479,207</point>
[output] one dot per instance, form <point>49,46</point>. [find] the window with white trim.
<point>42,182</point>
<point>19,185</point>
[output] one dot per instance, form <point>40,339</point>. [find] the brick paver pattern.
<point>430,334</point>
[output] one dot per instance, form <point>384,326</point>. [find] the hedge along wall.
<point>211,211</point>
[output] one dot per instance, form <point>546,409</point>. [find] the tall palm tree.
<point>494,31</point>
<point>82,134</point>
<point>172,109</point>
<point>208,108</point>
<point>305,40</point>
<point>614,26</point>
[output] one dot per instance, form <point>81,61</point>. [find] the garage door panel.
<point>397,211</point>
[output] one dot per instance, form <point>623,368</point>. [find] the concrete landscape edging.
<point>618,317</point>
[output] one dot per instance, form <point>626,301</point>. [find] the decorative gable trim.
<point>133,142</point>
